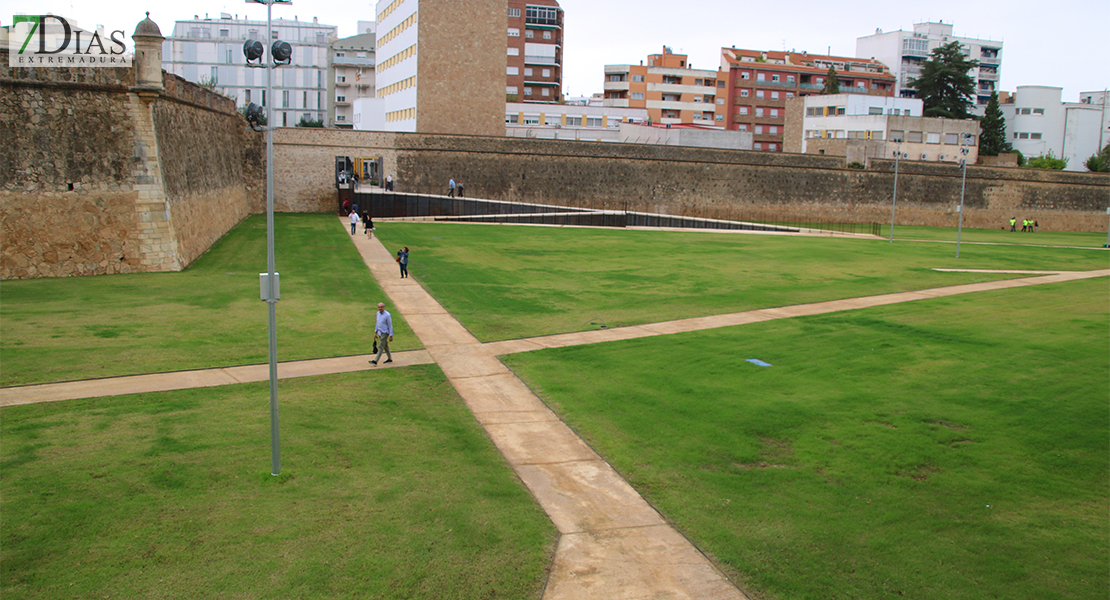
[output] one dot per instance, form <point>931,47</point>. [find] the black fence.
<point>392,205</point>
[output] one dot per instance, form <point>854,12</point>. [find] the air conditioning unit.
<point>924,156</point>
<point>941,157</point>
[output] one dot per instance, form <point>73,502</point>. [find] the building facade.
<point>758,84</point>
<point>671,91</point>
<point>350,75</point>
<point>578,122</point>
<point>905,52</point>
<point>534,69</point>
<point>860,128</point>
<point>210,52</point>
<point>1039,123</point>
<point>441,65</point>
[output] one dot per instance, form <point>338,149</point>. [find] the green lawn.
<point>952,448</point>
<point>1044,236</point>
<point>509,282</point>
<point>206,316</point>
<point>389,489</point>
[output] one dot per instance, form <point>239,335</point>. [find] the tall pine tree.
<point>993,141</point>
<point>945,87</point>
<point>832,82</point>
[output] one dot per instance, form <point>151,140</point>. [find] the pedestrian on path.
<point>451,188</point>
<point>368,226</point>
<point>383,334</point>
<point>389,183</point>
<point>461,194</point>
<point>403,260</point>
<point>354,221</point>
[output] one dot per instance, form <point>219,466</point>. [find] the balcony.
<point>615,86</point>
<point>541,60</point>
<point>779,84</point>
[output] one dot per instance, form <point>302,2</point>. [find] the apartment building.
<point>757,85</point>
<point>906,52</point>
<point>670,90</point>
<point>534,69</point>
<point>210,51</point>
<point>579,122</point>
<point>350,74</point>
<point>441,65</point>
<point>1039,122</point>
<point>861,127</point>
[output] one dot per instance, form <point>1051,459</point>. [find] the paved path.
<point>613,544</point>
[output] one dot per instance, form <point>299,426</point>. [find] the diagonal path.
<point>613,544</point>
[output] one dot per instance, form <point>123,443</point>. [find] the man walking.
<point>383,332</point>
<point>451,188</point>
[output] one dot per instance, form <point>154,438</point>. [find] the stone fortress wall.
<point>690,181</point>
<point>102,174</point>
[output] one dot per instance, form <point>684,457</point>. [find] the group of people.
<point>453,186</point>
<point>356,216</point>
<point>1027,225</point>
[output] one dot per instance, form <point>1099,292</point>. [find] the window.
<point>514,51</point>
<point>1023,136</point>
<point>337,118</point>
<point>952,139</point>
<point>246,96</point>
<point>743,93</point>
<point>512,118</point>
<point>320,39</point>
<point>541,15</point>
<point>574,121</point>
<point>773,147</point>
<point>514,13</point>
<point>227,56</point>
<point>514,32</point>
<point>789,94</point>
<point>759,94</point>
<point>759,112</point>
<point>527,91</point>
<point>720,117</point>
<point>757,146</point>
<point>720,101</point>
<point>547,35</point>
<point>932,138</point>
<point>511,89</point>
<point>774,95</point>
<point>512,70</point>
<point>1034,136</point>
<point>813,111</point>
<point>637,95</point>
<point>224,32</point>
<point>547,72</point>
<point>774,112</point>
<point>721,84</point>
<point>760,77</point>
<point>875,110</point>
<point>789,79</point>
<point>741,110</point>
<point>529,34</point>
<point>553,120</point>
<point>340,78</point>
<point>772,129</point>
<point>337,98</point>
<point>285,99</point>
<point>914,137</point>
<point>545,92</point>
<point>759,129</point>
<point>252,34</point>
<point>1038,111</point>
<point>593,121</point>
<point>274,35</point>
<point>745,75</point>
<point>527,71</point>
<point>774,78</point>
<point>263,97</point>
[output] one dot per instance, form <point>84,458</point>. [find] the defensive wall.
<point>102,174</point>
<point>697,182</point>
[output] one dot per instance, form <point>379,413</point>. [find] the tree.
<point>992,141</point>
<point>945,88</point>
<point>310,123</point>
<point>832,82</point>
<point>1100,163</point>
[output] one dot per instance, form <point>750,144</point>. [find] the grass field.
<point>1043,237</point>
<point>510,282</point>
<point>953,448</point>
<point>389,489</point>
<point>207,316</point>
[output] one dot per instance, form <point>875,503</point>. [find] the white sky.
<point>1059,44</point>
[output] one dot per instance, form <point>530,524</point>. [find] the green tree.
<point>992,141</point>
<point>1048,161</point>
<point>1100,163</point>
<point>832,82</point>
<point>945,88</point>
<point>309,123</point>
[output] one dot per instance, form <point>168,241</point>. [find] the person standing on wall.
<point>389,183</point>
<point>403,260</point>
<point>383,333</point>
<point>451,188</point>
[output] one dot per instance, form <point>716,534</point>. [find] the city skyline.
<point>1058,48</point>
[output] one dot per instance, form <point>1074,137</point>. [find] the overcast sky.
<point>1061,44</point>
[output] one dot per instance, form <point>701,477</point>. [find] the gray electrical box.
<point>264,288</point>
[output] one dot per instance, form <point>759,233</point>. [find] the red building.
<point>535,51</point>
<point>759,83</point>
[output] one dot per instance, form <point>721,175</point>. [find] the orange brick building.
<point>670,90</point>
<point>534,68</point>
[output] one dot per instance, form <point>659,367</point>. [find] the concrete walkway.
<point>613,544</point>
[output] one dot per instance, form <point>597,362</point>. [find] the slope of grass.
<point>952,448</point>
<point>208,315</point>
<point>389,489</point>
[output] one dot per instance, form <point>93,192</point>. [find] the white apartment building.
<point>590,123</point>
<point>905,52</point>
<point>861,127</point>
<point>207,50</point>
<point>350,75</point>
<point>1038,122</point>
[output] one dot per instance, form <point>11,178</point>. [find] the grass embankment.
<point>509,282</point>
<point>951,448</point>
<point>209,315</point>
<point>389,489</point>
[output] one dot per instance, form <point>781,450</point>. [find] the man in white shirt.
<point>383,332</point>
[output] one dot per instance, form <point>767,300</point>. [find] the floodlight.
<point>281,52</point>
<point>253,49</point>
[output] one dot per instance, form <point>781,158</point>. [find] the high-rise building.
<point>210,52</point>
<point>441,65</point>
<point>535,51</point>
<point>350,74</point>
<point>670,90</point>
<point>905,52</point>
<point>758,84</point>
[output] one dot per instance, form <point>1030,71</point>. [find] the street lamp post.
<point>894,201</point>
<point>963,187</point>
<point>271,292</point>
